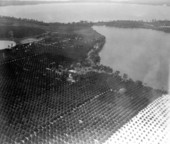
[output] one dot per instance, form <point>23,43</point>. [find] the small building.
<point>72,71</point>
<point>70,79</point>
<point>121,91</point>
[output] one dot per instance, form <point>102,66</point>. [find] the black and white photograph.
<point>84,71</point>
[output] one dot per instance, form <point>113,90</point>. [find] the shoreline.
<point>85,34</point>
<point>160,25</point>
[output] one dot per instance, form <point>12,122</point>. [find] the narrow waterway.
<point>142,54</point>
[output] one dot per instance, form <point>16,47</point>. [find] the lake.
<point>142,54</point>
<point>6,44</point>
<point>73,12</point>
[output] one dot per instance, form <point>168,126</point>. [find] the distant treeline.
<point>28,27</point>
<point>122,23</point>
<point>134,24</point>
<point>159,25</point>
<point>6,20</point>
<point>19,31</point>
<point>119,23</point>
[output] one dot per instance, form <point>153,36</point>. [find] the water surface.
<point>142,54</point>
<point>6,44</point>
<point>73,12</point>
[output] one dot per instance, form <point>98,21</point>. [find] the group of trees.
<point>9,20</point>
<point>19,31</point>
